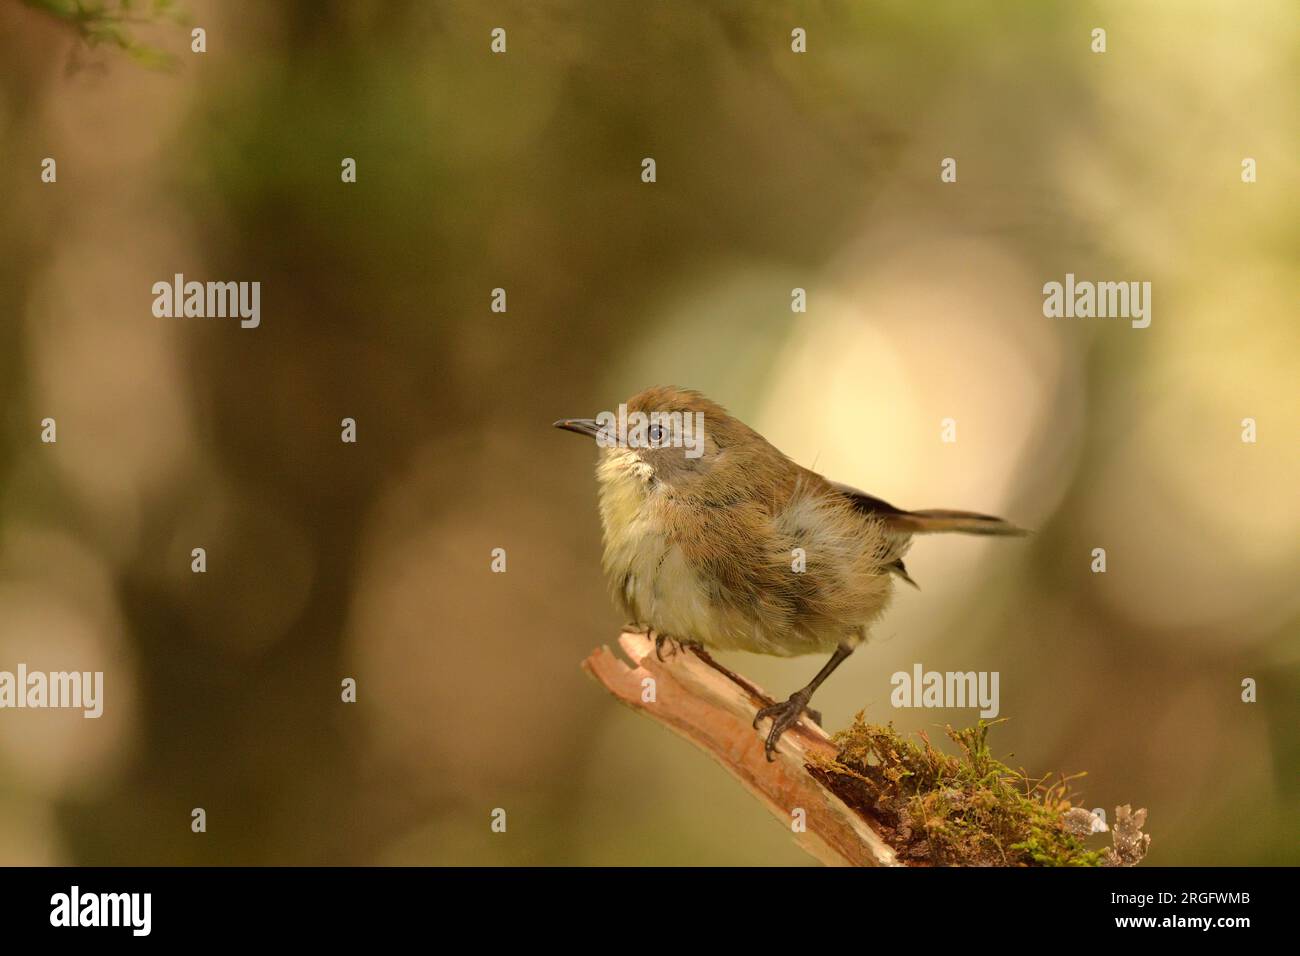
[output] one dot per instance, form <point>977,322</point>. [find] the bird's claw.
<point>660,641</point>
<point>784,716</point>
<point>674,643</point>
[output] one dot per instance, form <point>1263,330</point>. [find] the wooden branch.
<point>699,699</point>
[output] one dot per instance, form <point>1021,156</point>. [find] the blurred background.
<point>522,171</point>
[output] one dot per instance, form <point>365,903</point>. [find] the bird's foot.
<point>675,644</point>
<point>784,716</point>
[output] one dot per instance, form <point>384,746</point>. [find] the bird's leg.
<point>785,714</point>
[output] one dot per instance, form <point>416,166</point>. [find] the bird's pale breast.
<point>679,572</point>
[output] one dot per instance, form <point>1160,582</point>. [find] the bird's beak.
<point>582,426</point>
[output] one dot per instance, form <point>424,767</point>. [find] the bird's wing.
<point>871,505</point>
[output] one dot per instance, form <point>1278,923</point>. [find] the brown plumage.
<point>736,546</point>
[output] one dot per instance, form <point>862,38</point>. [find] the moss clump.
<point>954,810</point>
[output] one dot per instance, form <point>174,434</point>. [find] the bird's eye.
<point>655,434</point>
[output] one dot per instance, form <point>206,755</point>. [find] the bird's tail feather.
<point>965,522</point>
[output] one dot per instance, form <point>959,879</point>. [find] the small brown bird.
<point>715,538</point>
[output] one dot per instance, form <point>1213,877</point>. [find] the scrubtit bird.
<point>713,537</point>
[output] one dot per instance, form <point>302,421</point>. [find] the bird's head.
<point>666,435</point>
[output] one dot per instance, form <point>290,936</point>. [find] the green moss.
<point>968,809</point>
